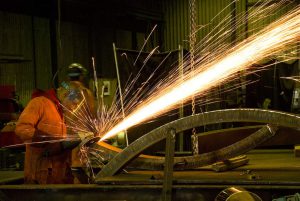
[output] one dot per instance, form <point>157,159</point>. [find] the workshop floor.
<point>264,166</point>
<point>270,174</point>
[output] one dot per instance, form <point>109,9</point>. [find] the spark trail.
<point>273,39</point>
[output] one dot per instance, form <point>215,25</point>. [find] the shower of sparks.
<point>293,78</point>
<point>80,119</point>
<point>273,39</point>
<point>89,158</point>
<point>216,61</point>
<point>145,43</point>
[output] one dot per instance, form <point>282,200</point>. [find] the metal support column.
<point>181,109</point>
<point>53,42</point>
<point>120,89</point>
<point>168,170</point>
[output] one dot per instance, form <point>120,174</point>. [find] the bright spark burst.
<point>271,40</point>
<point>293,78</point>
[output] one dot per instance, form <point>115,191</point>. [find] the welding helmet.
<point>76,69</point>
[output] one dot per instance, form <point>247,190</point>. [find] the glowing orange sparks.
<point>272,39</point>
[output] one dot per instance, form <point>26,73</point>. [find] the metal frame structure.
<point>129,156</point>
<point>180,66</point>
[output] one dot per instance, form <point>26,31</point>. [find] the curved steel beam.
<point>220,116</point>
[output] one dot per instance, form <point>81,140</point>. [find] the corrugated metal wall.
<point>42,53</point>
<point>176,24</point>
<point>267,16</point>
<point>237,19</point>
<point>15,39</point>
<point>17,32</point>
<point>210,13</point>
<point>177,20</point>
<point>213,18</point>
<point>74,40</point>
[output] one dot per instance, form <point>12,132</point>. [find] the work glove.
<point>81,137</point>
<point>87,138</point>
<point>82,140</point>
<point>85,135</point>
<point>41,139</point>
<point>57,148</point>
<point>70,144</point>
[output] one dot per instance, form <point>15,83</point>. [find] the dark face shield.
<point>71,98</point>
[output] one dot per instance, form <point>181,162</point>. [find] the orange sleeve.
<point>29,119</point>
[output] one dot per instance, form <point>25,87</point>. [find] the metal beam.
<point>220,116</point>
<point>168,170</point>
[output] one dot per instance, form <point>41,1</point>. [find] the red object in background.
<point>7,91</point>
<point>8,136</point>
<point>9,139</point>
<point>9,111</point>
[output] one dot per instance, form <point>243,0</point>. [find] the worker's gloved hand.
<point>88,138</point>
<point>85,135</point>
<point>70,144</point>
<point>53,149</point>
<point>81,137</point>
<point>42,140</point>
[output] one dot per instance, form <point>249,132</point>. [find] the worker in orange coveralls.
<point>48,152</point>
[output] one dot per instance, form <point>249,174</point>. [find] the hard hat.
<point>76,69</point>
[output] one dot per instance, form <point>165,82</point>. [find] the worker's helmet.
<point>76,69</point>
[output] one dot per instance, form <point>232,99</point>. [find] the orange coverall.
<point>42,120</point>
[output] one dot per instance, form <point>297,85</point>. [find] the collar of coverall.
<point>51,95</point>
